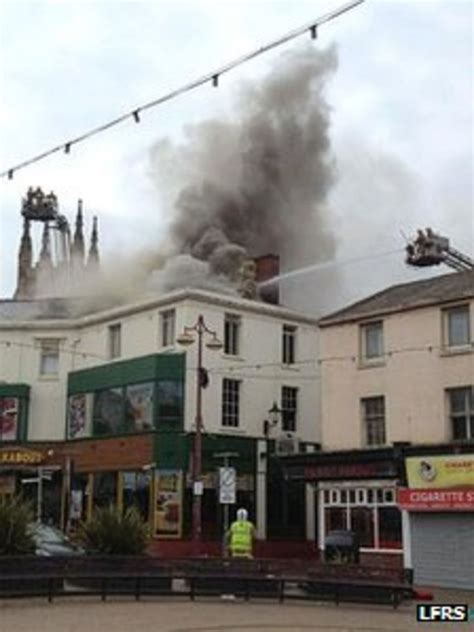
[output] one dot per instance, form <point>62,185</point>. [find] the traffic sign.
<point>227,485</point>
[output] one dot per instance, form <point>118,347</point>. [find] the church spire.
<point>77,248</point>
<point>45,259</point>
<point>93,258</point>
<point>24,287</point>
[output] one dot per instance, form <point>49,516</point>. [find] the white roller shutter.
<point>443,549</point>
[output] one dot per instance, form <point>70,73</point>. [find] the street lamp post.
<point>186,339</point>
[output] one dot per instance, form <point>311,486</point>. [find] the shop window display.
<point>370,512</point>
<point>108,412</point>
<point>79,416</point>
<point>169,395</point>
<point>9,416</point>
<point>105,489</point>
<point>139,407</point>
<point>136,492</point>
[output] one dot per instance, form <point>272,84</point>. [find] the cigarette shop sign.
<point>448,499</point>
<point>20,456</point>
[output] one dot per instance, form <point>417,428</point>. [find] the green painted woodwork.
<point>115,374</point>
<point>172,450</point>
<point>15,390</point>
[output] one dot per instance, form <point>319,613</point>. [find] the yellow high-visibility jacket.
<point>241,538</point>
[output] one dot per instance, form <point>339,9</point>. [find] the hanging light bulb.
<point>314,31</point>
<point>67,148</point>
<point>215,81</point>
<point>10,174</point>
<point>136,116</point>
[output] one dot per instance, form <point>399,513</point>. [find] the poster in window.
<point>139,407</point>
<point>8,418</point>
<point>108,411</point>
<point>79,416</point>
<point>168,503</point>
<point>170,401</point>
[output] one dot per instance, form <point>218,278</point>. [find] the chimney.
<point>268,267</point>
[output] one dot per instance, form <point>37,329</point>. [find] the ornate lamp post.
<point>186,339</point>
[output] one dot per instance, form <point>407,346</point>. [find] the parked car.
<point>50,541</point>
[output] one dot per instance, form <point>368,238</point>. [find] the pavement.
<point>159,614</point>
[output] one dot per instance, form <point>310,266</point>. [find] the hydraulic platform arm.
<point>430,249</point>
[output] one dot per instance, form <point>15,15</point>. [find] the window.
<point>49,357</point>
<point>115,341</point>
<point>289,344</point>
<point>456,326</point>
<point>289,407</point>
<point>167,327</point>
<point>461,412</point>
<point>108,412</point>
<point>373,411</point>
<point>372,342</point>
<point>9,418</point>
<point>231,334</point>
<point>371,512</point>
<point>170,403</point>
<point>230,402</point>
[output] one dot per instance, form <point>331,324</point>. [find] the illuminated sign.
<point>20,456</point>
<point>449,499</point>
<point>456,470</point>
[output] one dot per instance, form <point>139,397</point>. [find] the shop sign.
<point>338,471</point>
<point>20,456</point>
<point>168,504</point>
<point>448,499</point>
<point>440,471</point>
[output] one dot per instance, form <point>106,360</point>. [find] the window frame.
<point>289,424</point>
<point>467,413</point>
<point>447,312</point>
<point>369,420</point>
<point>364,358</point>
<point>44,343</point>
<point>230,403</point>
<point>167,333</point>
<point>288,344</point>
<point>232,334</point>
<point>111,332</point>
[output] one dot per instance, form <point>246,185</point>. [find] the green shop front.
<point>127,446</point>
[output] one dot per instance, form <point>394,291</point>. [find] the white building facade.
<point>117,376</point>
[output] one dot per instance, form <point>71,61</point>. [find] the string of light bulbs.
<point>210,77</point>
<point>289,369</point>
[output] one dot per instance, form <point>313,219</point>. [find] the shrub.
<point>113,532</point>
<point>16,516</point>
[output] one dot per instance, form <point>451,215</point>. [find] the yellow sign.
<point>168,503</point>
<point>440,471</point>
<point>20,456</point>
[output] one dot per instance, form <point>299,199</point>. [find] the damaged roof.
<point>453,286</point>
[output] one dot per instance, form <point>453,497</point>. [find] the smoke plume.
<point>257,183</point>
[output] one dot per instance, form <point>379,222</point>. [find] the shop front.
<point>356,491</point>
<point>438,504</point>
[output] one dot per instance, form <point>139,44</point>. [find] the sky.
<point>401,116</point>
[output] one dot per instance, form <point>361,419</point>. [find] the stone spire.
<point>45,272</point>
<point>25,280</point>
<point>93,258</point>
<point>77,248</point>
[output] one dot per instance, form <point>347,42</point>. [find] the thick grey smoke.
<point>258,183</point>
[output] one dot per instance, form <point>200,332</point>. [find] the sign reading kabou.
<point>20,456</point>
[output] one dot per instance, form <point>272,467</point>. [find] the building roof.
<point>79,312</point>
<point>446,288</point>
